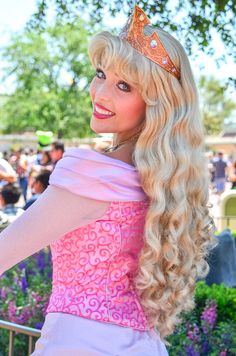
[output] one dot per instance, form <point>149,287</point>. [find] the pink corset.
<point>94,266</point>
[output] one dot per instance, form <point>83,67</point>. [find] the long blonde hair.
<point>169,158</point>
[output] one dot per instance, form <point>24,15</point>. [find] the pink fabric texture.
<point>70,335</point>
<point>94,175</point>
<point>94,265</point>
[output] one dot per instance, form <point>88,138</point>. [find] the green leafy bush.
<point>210,329</point>
<point>223,296</point>
<point>24,296</point>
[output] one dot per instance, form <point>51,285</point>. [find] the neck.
<point>119,143</point>
<point>118,139</point>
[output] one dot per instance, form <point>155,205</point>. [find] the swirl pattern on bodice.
<point>94,267</point>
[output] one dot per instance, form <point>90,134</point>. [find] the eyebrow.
<point>116,74</point>
<point>101,68</point>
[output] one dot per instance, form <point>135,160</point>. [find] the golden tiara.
<point>149,46</point>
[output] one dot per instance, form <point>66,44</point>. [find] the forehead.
<point>113,62</point>
<point>112,71</point>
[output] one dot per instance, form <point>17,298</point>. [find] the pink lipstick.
<point>100,112</point>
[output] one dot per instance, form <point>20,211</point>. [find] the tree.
<point>52,75</point>
<point>193,21</point>
<point>216,107</point>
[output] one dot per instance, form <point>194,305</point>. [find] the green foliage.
<point>210,328</point>
<point>224,297</point>
<point>233,233</point>
<point>219,341</point>
<point>52,74</point>
<point>24,296</point>
<point>193,21</point>
<point>216,107</point>
<point>20,344</point>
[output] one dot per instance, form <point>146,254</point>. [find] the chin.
<point>99,128</point>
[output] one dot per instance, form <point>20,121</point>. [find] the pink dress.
<point>94,308</point>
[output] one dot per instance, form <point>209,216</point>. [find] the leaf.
<point>51,71</point>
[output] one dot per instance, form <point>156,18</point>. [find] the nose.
<point>100,91</point>
<point>103,92</point>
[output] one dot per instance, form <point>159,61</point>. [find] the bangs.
<point>111,52</point>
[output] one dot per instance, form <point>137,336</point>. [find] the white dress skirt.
<point>69,335</point>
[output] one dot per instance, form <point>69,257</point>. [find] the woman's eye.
<point>100,74</point>
<point>124,86</point>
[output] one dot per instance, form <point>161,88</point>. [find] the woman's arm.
<point>232,175</point>
<point>55,213</point>
<point>8,177</point>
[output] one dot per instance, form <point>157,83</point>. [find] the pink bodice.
<point>94,265</point>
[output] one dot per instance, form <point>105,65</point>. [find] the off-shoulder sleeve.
<point>93,175</point>
<point>55,213</point>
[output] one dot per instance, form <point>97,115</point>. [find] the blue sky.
<point>15,13</point>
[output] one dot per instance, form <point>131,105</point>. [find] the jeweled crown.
<point>149,46</point>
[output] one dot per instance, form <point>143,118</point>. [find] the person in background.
<point>45,160</point>
<point>7,173</point>
<point>220,173</point>
<point>44,163</point>
<point>5,155</point>
<point>32,159</point>
<point>211,170</point>
<point>56,151</point>
<point>232,175</point>
<point>9,196</point>
<point>39,184</point>
<point>20,163</point>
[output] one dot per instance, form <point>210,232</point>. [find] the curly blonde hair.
<point>170,160</point>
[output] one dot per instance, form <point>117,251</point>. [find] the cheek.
<point>137,110</point>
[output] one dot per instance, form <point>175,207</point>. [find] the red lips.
<point>100,112</point>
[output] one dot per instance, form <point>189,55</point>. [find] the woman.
<point>132,231</point>
<point>232,175</point>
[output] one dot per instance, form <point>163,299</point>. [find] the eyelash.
<point>127,89</point>
<point>99,71</point>
<point>126,85</point>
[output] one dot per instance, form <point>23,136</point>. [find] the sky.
<point>15,13</point>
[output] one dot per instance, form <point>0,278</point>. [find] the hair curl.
<point>170,160</point>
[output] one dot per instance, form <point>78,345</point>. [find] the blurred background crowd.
<point>24,175</point>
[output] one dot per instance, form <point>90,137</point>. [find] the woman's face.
<point>45,158</point>
<point>117,106</point>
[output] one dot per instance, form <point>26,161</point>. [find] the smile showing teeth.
<point>101,111</point>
